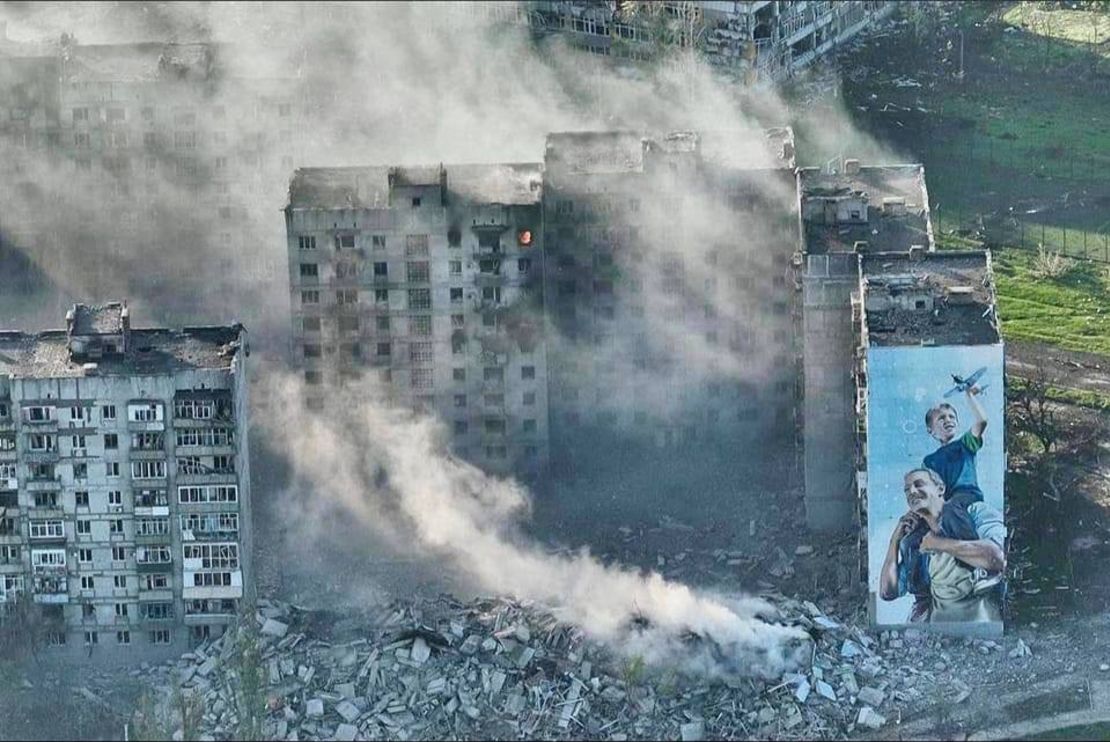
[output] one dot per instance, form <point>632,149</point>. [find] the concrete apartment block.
<point>430,278</point>
<point>845,213</point>
<point>759,41</point>
<point>124,483</point>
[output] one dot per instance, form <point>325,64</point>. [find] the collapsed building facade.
<point>759,41</point>
<point>124,483</point>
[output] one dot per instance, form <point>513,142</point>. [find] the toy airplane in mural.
<point>962,385</point>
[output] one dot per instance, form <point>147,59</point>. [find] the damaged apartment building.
<point>760,41</point>
<point>431,278</point>
<point>507,298</point>
<point>124,483</point>
<point>845,212</point>
<point>101,144</point>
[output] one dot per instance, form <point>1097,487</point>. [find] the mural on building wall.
<point>935,470</point>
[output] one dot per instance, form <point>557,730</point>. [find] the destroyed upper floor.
<point>864,209</point>
<point>620,152</point>
<point>99,341</point>
<point>513,184</point>
<point>928,298</point>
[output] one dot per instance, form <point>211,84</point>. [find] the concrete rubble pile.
<point>496,668</point>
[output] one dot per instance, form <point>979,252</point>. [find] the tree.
<point>24,627</point>
<point>1032,412</point>
<point>250,699</point>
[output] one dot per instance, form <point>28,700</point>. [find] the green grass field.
<point>1016,152</point>
<point>1071,310</point>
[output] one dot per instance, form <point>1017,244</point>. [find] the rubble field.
<point>499,669</point>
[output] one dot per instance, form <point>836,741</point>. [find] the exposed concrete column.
<point>829,407</point>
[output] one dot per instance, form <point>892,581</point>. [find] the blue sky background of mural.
<point>903,383</point>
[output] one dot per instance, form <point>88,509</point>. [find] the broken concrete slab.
<point>693,731</point>
<point>346,733</point>
<point>275,628</point>
<point>420,651</point>
<point>348,711</point>
<point>869,718</point>
<point>314,708</point>
<point>870,696</point>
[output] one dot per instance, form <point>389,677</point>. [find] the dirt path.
<point>1069,369</point>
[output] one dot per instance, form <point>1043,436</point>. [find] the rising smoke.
<point>421,83</point>
<point>390,470</point>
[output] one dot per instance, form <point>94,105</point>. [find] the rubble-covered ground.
<point>437,668</point>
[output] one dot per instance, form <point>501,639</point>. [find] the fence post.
<point>1065,251</point>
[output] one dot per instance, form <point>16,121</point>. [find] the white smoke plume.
<point>389,469</point>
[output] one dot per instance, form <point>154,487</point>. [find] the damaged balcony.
<point>51,585</point>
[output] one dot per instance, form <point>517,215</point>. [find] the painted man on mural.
<point>948,549</point>
<point>952,577</point>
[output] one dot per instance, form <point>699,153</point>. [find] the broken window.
<point>313,350</point>
<point>493,373</point>
<point>529,399</point>
<point>458,374</point>
<point>417,272</point>
<point>382,323</point>
<point>344,242</point>
<point>309,270</point>
<point>454,267</point>
<point>349,324</point>
<point>311,324</point>
<point>416,246</point>
<point>454,237</point>
<point>529,426</point>
<point>460,400</point>
<point>84,527</point>
<point>307,242</point>
<point>381,269</point>
<point>523,265</point>
<point>377,241</point>
<point>81,498</point>
<point>458,320</point>
<point>460,427</point>
<point>384,349</point>
<point>422,378</point>
<point>310,297</point>
<point>46,499</point>
<point>456,295</point>
<point>489,241</point>
<point>420,324</point>
<point>381,296</point>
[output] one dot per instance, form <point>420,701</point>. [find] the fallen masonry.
<point>496,668</point>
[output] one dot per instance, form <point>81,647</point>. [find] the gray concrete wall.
<point>829,343</point>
